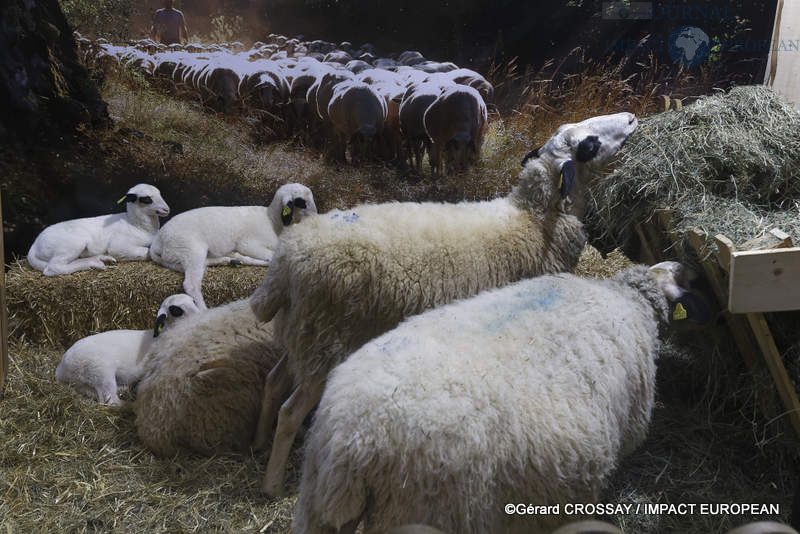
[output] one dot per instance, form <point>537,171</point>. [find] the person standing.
<point>169,26</point>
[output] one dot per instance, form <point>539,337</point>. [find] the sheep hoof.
<point>107,259</point>
<point>235,262</point>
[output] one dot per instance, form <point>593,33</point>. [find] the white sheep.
<point>203,386</point>
<point>342,278</point>
<point>529,393</point>
<point>90,243</point>
<point>100,364</point>
<point>219,235</point>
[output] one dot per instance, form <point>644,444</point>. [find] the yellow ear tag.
<point>680,313</point>
<point>286,210</point>
<point>121,200</point>
<point>561,180</point>
<point>160,328</point>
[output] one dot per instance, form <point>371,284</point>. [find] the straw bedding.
<point>63,309</point>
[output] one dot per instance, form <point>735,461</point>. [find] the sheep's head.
<point>574,155</point>
<point>674,280</point>
<point>145,198</point>
<point>292,203</point>
<point>174,308</point>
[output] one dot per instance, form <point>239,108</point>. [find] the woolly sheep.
<point>202,391</point>
<point>488,401</point>
<point>97,365</point>
<point>456,123</point>
<point>219,235</point>
<point>416,101</point>
<point>90,243</point>
<point>357,113</point>
<point>343,278</point>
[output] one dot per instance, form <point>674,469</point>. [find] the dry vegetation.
<point>70,465</point>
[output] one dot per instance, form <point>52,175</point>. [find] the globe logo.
<point>689,46</point>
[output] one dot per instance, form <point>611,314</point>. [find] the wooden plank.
<point>764,281</point>
<point>776,368</point>
<point>783,73</point>
<point>725,248</point>
<point>3,310</point>
<point>773,239</point>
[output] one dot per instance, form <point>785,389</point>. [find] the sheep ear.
<point>287,212</point>
<point>532,154</point>
<point>130,197</point>
<point>692,308</point>
<point>567,178</point>
<point>159,327</point>
<point>588,148</point>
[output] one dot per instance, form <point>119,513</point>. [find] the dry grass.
<point>62,309</point>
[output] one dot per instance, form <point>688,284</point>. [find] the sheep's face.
<point>295,202</point>
<point>146,198</point>
<point>594,141</point>
<point>674,279</point>
<point>174,308</point>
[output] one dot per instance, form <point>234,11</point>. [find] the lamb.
<point>202,391</point>
<point>456,123</point>
<point>357,113</point>
<point>97,365</point>
<point>488,401</point>
<point>90,243</point>
<point>376,264</point>
<point>219,235</point>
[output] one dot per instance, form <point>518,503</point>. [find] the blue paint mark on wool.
<point>532,297</point>
<point>347,217</point>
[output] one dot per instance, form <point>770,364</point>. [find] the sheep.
<point>218,235</point>
<point>456,123</point>
<point>488,401</point>
<point>90,243</point>
<point>416,101</point>
<point>203,387</point>
<point>357,113</point>
<point>99,364</point>
<point>341,279</point>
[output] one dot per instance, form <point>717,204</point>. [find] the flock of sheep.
<point>394,108</point>
<point>437,341</point>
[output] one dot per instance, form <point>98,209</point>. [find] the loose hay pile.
<point>729,162</point>
<point>63,309</point>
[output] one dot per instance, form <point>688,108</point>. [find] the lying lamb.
<point>97,365</point>
<point>202,390</point>
<point>90,243</point>
<point>343,278</point>
<point>488,401</point>
<point>219,235</point>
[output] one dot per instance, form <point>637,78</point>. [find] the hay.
<point>63,309</point>
<point>729,163</point>
<point>70,465</point>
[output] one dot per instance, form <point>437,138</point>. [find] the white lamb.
<point>529,393</point>
<point>98,365</point>
<point>90,243</point>
<point>219,235</point>
<point>345,277</point>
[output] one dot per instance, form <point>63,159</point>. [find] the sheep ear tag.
<point>120,201</point>
<point>679,313</point>
<point>286,213</point>
<point>692,308</point>
<point>567,178</point>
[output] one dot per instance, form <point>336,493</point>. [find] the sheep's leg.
<point>276,388</point>
<point>193,280</point>
<point>107,392</point>
<point>57,266</point>
<point>253,252</point>
<point>291,416</point>
<point>247,260</point>
<point>132,254</point>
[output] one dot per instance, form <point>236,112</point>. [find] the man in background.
<point>169,25</point>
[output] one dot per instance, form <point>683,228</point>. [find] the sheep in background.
<point>345,277</point>
<point>98,365</point>
<point>203,388</point>
<point>90,243</point>
<point>416,101</point>
<point>357,113</point>
<point>456,123</point>
<point>219,235</point>
<point>488,401</point>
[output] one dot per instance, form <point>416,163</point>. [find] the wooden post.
<point>3,310</point>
